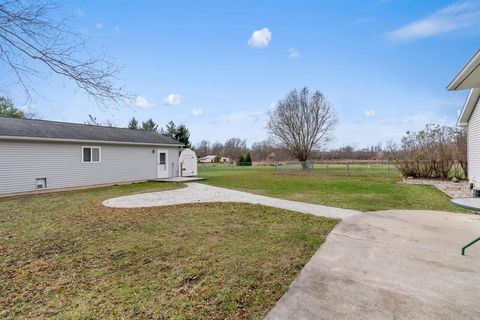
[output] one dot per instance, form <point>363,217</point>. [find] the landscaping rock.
<point>459,189</point>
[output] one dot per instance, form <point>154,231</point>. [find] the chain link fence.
<point>317,167</point>
<point>340,168</point>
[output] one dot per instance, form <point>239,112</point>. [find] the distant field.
<point>366,188</point>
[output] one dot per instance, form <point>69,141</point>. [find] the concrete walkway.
<point>383,265</point>
<point>197,192</point>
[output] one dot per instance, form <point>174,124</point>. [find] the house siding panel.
<point>473,150</point>
<point>61,164</point>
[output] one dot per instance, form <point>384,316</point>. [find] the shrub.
<point>428,153</point>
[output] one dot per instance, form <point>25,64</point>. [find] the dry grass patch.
<point>66,256</point>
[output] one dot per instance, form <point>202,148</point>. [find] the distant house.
<point>38,154</point>
<point>211,159</point>
<point>469,78</point>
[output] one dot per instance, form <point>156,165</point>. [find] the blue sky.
<point>383,65</point>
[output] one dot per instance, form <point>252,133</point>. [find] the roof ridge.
<point>70,130</point>
<point>83,124</point>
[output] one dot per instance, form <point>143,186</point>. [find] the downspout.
<point>178,162</point>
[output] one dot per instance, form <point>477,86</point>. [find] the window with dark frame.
<point>162,158</point>
<point>91,154</point>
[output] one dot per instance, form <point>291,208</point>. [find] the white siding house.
<point>53,155</point>
<point>469,78</point>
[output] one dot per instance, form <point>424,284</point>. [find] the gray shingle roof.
<point>74,131</point>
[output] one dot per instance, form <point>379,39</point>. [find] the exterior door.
<point>188,167</point>
<point>162,163</point>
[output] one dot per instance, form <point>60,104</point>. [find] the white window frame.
<point>91,154</point>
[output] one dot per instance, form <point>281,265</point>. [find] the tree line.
<point>178,132</point>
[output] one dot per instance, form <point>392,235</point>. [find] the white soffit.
<point>469,76</point>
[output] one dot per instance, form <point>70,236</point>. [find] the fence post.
<point>348,168</point>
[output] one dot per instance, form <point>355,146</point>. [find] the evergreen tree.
<point>8,110</point>
<point>133,124</point>
<point>241,160</point>
<point>149,125</point>
<point>248,160</point>
<point>182,135</point>
<point>171,130</point>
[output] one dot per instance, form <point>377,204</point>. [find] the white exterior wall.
<point>473,146</point>
<point>22,162</point>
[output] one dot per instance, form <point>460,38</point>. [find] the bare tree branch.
<point>29,33</point>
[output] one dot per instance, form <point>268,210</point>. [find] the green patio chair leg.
<point>468,245</point>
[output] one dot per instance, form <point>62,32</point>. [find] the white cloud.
<point>293,53</point>
<point>459,15</point>
<point>79,13</point>
<point>369,113</point>
<point>196,112</point>
<point>260,38</point>
<point>173,99</point>
<point>99,25</point>
<point>142,102</point>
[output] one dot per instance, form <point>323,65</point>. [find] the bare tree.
<point>216,148</point>
<point>302,122</point>
<point>31,38</point>
<point>234,148</point>
<point>203,148</point>
<point>94,122</point>
<point>262,150</point>
<point>391,150</point>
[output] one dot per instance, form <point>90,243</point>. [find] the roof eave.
<point>468,107</point>
<point>23,138</point>
<point>467,69</point>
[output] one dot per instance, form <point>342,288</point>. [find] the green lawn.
<point>368,189</point>
<point>64,255</point>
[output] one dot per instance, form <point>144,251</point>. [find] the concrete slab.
<point>390,265</point>
<point>467,203</point>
